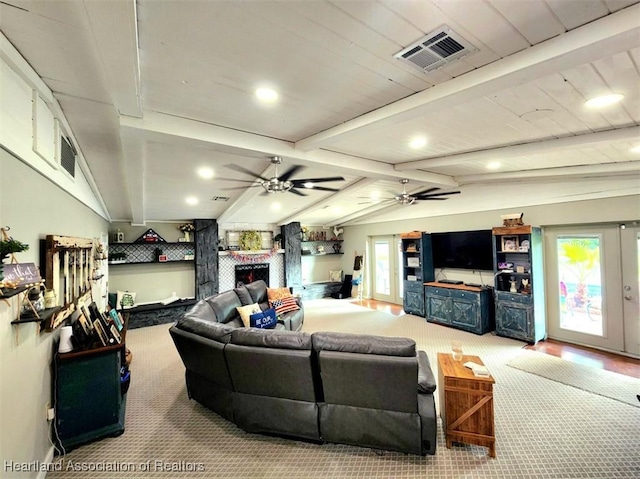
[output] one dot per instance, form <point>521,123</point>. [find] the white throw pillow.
<point>246,312</point>
<point>125,299</point>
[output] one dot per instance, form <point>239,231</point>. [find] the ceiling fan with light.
<point>283,183</point>
<point>429,194</point>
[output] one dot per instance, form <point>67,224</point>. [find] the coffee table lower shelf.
<point>466,403</point>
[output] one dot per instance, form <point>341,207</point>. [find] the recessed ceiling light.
<point>375,195</point>
<point>418,142</point>
<point>205,172</point>
<point>494,165</point>
<point>604,100</point>
<point>308,184</point>
<point>266,95</point>
<point>276,205</point>
<point>635,149</point>
<point>191,200</point>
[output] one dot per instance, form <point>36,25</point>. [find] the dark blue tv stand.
<point>469,308</point>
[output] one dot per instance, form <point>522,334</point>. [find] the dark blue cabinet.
<point>417,268</point>
<point>463,307</point>
<point>519,283</point>
<point>89,402</point>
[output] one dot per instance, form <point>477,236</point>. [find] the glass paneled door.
<point>386,258</point>
<point>585,291</point>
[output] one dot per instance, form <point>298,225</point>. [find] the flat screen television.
<point>463,250</point>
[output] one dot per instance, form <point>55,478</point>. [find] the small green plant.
<point>117,256</point>
<point>10,246</point>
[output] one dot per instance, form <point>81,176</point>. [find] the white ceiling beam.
<point>607,169</point>
<point>631,133</point>
<point>115,30</point>
<point>612,34</point>
<point>189,133</point>
<point>134,154</point>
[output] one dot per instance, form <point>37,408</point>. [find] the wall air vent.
<point>67,156</point>
<point>437,49</point>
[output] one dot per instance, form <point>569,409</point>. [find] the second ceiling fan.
<point>429,194</point>
<point>284,183</point>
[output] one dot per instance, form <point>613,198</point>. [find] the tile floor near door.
<point>570,352</point>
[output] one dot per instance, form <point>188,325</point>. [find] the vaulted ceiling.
<point>154,90</point>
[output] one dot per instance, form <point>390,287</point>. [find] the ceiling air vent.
<point>437,49</point>
<point>220,198</point>
<point>67,156</point>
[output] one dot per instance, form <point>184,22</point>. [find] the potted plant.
<point>9,246</point>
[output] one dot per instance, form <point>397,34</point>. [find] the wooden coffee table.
<point>466,403</point>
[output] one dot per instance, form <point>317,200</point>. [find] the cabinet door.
<point>88,396</point>
<point>514,320</point>
<point>464,312</point>
<point>414,303</point>
<point>438,308</point>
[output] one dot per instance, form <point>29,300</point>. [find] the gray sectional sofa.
<point>369,391</point>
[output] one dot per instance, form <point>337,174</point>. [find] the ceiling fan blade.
<point>424,192</point>
<point>235,179</point>
<point>290,172</point>
<point>240,187</point>
<point>242,169</point>
<point>322,188</point>
<point>431,199</point>
<point>297,192</point>
<point>432,195</point>
<point>318,180</point>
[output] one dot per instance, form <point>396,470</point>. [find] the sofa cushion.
<point>284,305</point>
<point>206,328</point>
<point>202,309</point>
<point>278,293</point>
<point>258,291</point>
<point>243,294</point>
<point>364,344</point>
<point>271,338</point>
<point>264,319</point>
<point>246,312</point>
<point>224,305</point>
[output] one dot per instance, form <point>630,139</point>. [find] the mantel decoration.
<point>251,258</point>
<point>9,246</point>
<point>187,229</point>
<point>250,241</point>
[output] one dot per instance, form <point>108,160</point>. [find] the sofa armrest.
<point>426,379</point>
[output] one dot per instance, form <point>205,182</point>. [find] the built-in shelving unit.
<point>321,248</point>
<point>519,282</point>
<point>417,268</point>
<point>146,253</point>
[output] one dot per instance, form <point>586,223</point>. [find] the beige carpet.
<point>544,429</point>
<point>605,383</point>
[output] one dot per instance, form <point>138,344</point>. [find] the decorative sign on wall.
<point>22,274</point>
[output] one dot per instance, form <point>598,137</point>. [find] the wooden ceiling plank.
<point>534,20</point>
<point>571,17</point>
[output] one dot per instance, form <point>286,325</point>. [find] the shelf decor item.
<point>250,241</point>
<point>187,229</point>
<point>150,236</point>
<point>510,243</point>
<point>9,246</point>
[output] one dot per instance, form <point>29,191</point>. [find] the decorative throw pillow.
<point>284,305</point>
<point>125,299</point>
<point>246,312</point>
<point>278,293</point>
<point>264,319</point>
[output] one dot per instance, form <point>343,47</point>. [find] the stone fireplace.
<point>247,273</point>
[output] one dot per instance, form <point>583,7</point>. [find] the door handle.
<point>628,297</point>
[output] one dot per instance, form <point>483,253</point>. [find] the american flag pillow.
<point>284,305</point>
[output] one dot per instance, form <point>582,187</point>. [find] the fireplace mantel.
<point>260,251</point>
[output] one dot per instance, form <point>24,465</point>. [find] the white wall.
<point>33,207</point>
<point>608,210</point>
